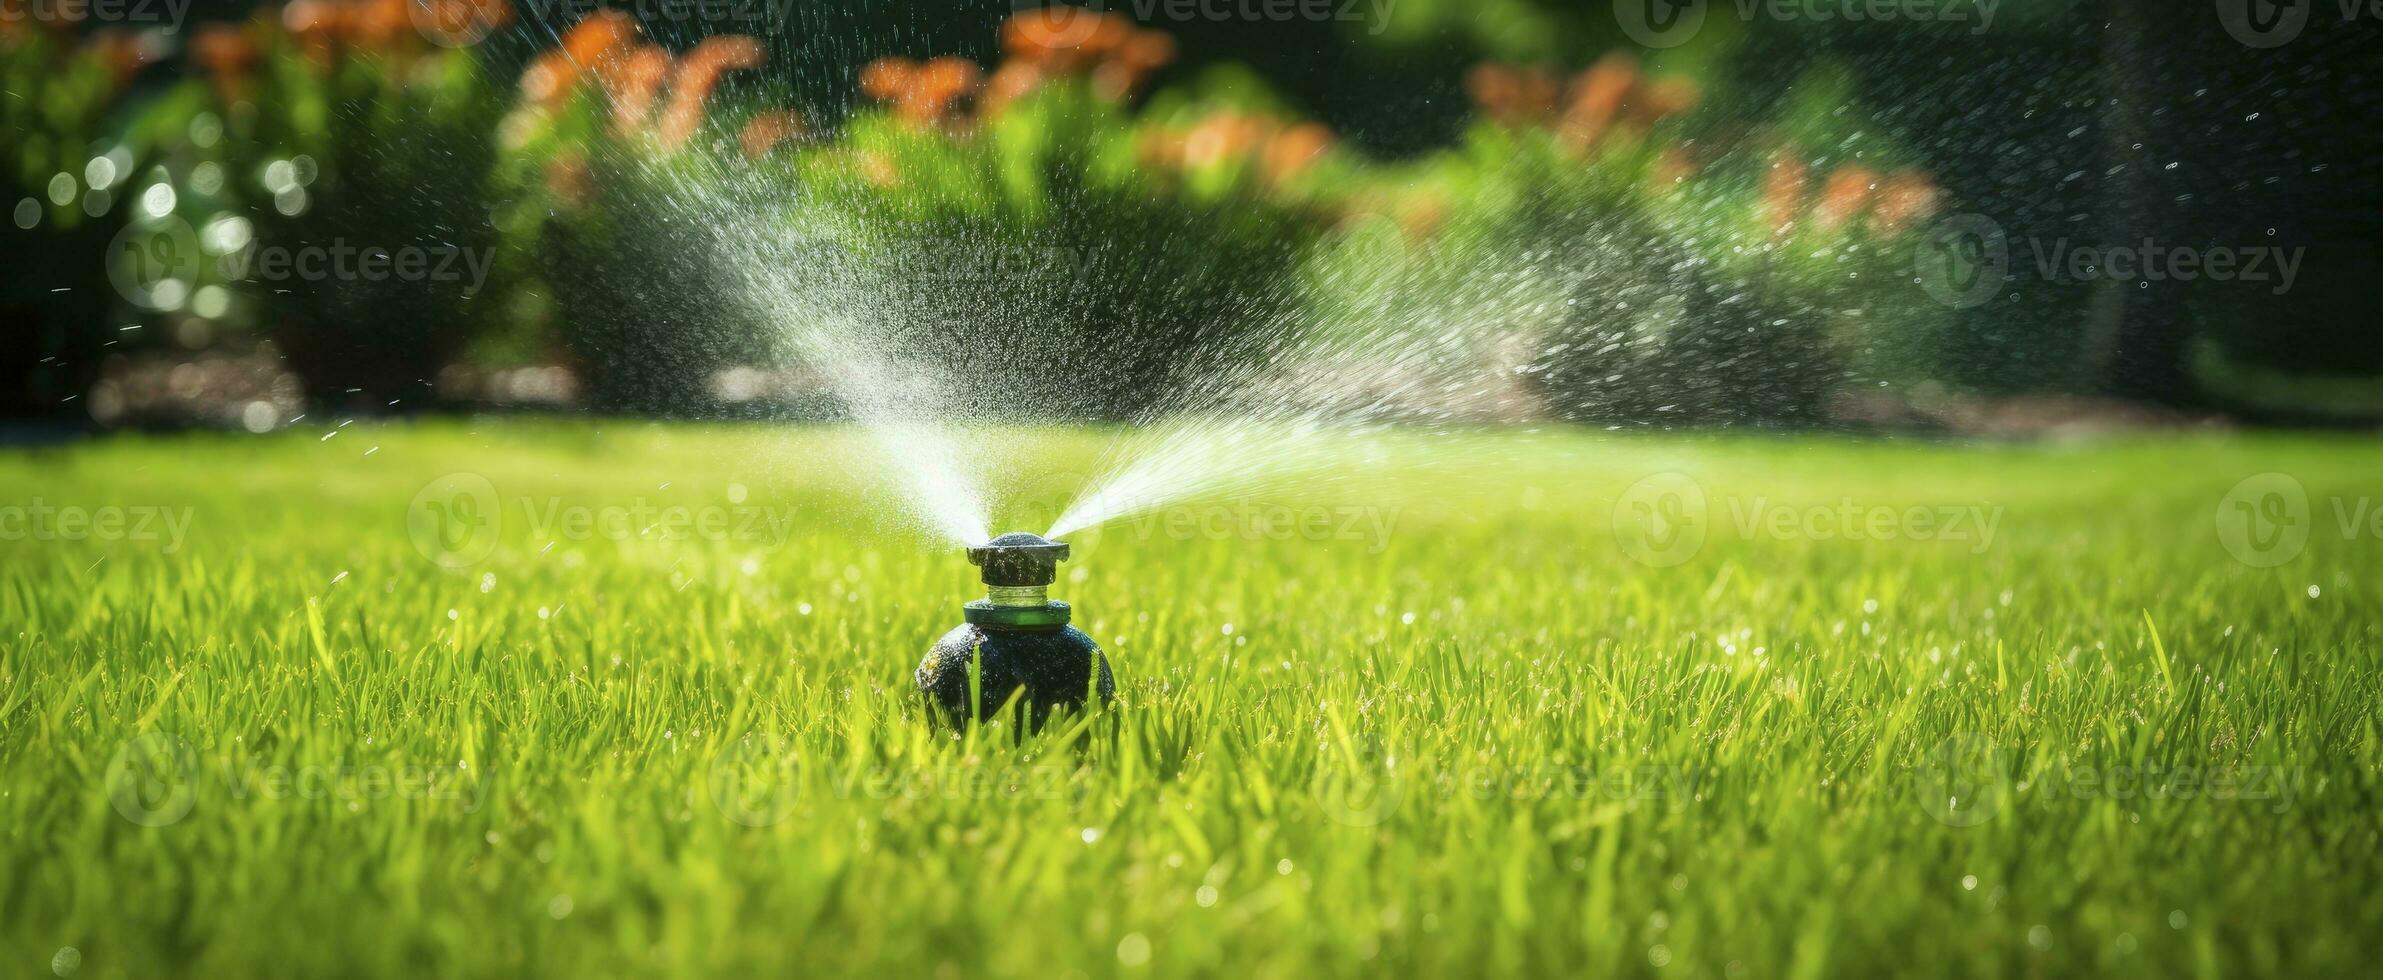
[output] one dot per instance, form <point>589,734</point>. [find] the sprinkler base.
<point>1045,667</point>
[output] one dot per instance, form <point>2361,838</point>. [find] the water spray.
<point>1017,637</point>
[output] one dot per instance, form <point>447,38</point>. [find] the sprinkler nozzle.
<point>1018,569</point>
<point>1019,559</point>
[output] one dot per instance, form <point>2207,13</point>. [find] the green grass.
<point>1487,740</point>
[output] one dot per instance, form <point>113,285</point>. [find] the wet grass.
<point>1476,718</point>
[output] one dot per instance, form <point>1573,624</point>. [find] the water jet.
<point>1017,638</point>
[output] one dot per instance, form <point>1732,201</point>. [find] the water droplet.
<point>1134,949</point>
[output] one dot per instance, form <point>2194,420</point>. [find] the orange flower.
<point>1147,50</point>
<point>936,87</point>
<point>1662,98</point>
<point>227,53</point>
<point>304,16</point>
<point>548,78</point>
<point>460,19</point>
<point>1422,216</point>
<point>1540,93</point>
<point>1494,88</point>
<point>1294,150</point>
<point>1511,96</point>
<point>885,79</point>
<point>1064,39</point>
<point>633,83</point>
<point>1597,97</point>
<point>603,38</point>
<point>315,23</point>
<point>698,73</point>
<point>768,131</point>
<point>1223,137</point>
<point>1140,55</point>
<point>377,23</point>
<point>1783,191</point>
<point>603,33</point>
<point>1075,41</point>
<point>1843,197</point>
<point>1903,198</point>
<point>1115,80</point>
<point>1012,81</point>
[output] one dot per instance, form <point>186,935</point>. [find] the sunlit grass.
<point>1451,727</point>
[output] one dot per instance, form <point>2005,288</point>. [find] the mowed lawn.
<point>512,697</point>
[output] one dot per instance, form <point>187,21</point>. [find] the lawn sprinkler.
<point>1019,639</point>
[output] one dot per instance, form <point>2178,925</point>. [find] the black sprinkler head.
<point>1018,637</point>
<point>1019,559</point>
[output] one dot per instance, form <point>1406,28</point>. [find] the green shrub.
<point>1586,252</point>
<point>68,173</point>
<point>1038,266</point>
<point>642,298</point>
<point>344,146</point>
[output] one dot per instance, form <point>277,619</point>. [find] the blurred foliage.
<point>1639,282</point>
<point>346,129</point>
<point>69,157</point>
<point>1715,232</point>
<point>607,158</point>
<point>1058,236</point>
<point>1003,229</point>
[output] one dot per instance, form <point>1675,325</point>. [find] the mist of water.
<point>1288,406</point>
